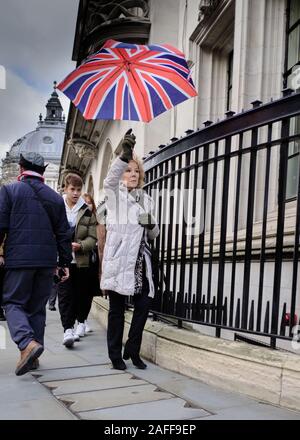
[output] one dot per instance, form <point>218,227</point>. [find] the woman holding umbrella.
<point>126,267</point>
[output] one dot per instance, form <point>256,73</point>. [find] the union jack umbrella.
<point>129,82</point>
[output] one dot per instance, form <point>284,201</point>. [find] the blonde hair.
<point>140,165</point>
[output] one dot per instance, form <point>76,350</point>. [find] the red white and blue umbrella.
<point>129,82</point>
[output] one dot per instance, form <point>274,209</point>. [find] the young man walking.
<point>34,223</point>
<point>73,295</point>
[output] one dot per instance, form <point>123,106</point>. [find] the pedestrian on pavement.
<point>126,268</point>
<point>93,278</point>
<point>74,295</point>
<point>34,224</point>
<point>101,215</point>
<point>52,299</point>
<point>2,316</point>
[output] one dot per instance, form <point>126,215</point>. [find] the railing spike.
<point>189,131</point>
<point>213,313</point>
<point>256,103</point>
<point>229,114</point>
<point>207,123</point>
<point>286,92</point>
<point>238,314</point>
<point>224,320</point>
<point>267,318</point>
<point>251,317</point>
<point>283,321</point>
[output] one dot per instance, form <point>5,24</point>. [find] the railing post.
<point>285,129</point>
<point>224,214</point>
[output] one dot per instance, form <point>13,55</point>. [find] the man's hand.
<point>147,221</point>
<point>60,270</point>
<point>76,247</point>
<point>128,144</point>
<point>1,261</point>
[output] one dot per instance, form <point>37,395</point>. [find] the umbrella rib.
<point>184,81</point>
<point>102,86</point>
<point>145,100</point>
<point>160,68</point>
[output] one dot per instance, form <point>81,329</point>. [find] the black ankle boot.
<point>126,355</point>
<point>119,364</point>
<point>136,360</point>
<point>138,363</point>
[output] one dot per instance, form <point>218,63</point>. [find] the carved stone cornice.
<point>100,20</point>
<point>104,12</point>
<point>207,8</point>
<point>83,148</point>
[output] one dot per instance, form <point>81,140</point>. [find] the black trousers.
<point>116,319</point>
<point>74,297</point>
<point>53,296</point>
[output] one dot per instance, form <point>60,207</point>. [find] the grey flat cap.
<point>32,161</point>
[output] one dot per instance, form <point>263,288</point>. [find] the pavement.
<point>80,383</point>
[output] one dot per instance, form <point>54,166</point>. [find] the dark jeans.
<point>116,320</point>
<point>74,297</point>
<point>25,295</point>
<point>53,296</point>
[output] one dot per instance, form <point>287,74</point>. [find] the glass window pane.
<point>294,12</point>
<point>294,47</point>
<point>292,177</point>
<point>294,147</point>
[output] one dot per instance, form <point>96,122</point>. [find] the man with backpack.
<point>34,223</point>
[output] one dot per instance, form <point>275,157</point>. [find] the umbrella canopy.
<point>129,82</point>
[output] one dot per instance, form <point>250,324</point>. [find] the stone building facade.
<point>241,53</point>
<point>238,52</point>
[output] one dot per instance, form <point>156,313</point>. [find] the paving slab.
<point>19,389</point>
<point>193,391</point>
<point>171,409</point>
<point>96,383</point>
<point>256,411</point>
<point>113,397</point>
<point>38,409</point>
<point>75,372</point>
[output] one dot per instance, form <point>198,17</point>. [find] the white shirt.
<point>72,215</point>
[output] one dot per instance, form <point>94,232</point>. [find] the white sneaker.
<point>80,330</point>
<point>68,340</point>
<point>87,327</point>
<point>76,337</point>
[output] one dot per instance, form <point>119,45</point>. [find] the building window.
<point>292,80</point>
<point>292,52</point>
<point>229,81</point>
<point>293,161</point>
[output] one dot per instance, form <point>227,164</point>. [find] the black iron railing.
<point>229,241</point>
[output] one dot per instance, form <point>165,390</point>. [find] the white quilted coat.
<point>124,233</point>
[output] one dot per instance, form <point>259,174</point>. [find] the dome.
<point>47,139</point>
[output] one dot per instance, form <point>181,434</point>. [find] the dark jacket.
<point>32,239</point>
<point>85,235</point>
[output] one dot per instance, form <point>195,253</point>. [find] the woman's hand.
<point>147,221</point>
<point>1,261</point>
<point>76,247</point>
<point>128,144</point>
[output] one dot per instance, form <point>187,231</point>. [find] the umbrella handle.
<point>128,131</point>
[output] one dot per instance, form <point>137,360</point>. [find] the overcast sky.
<point>36,42</point>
